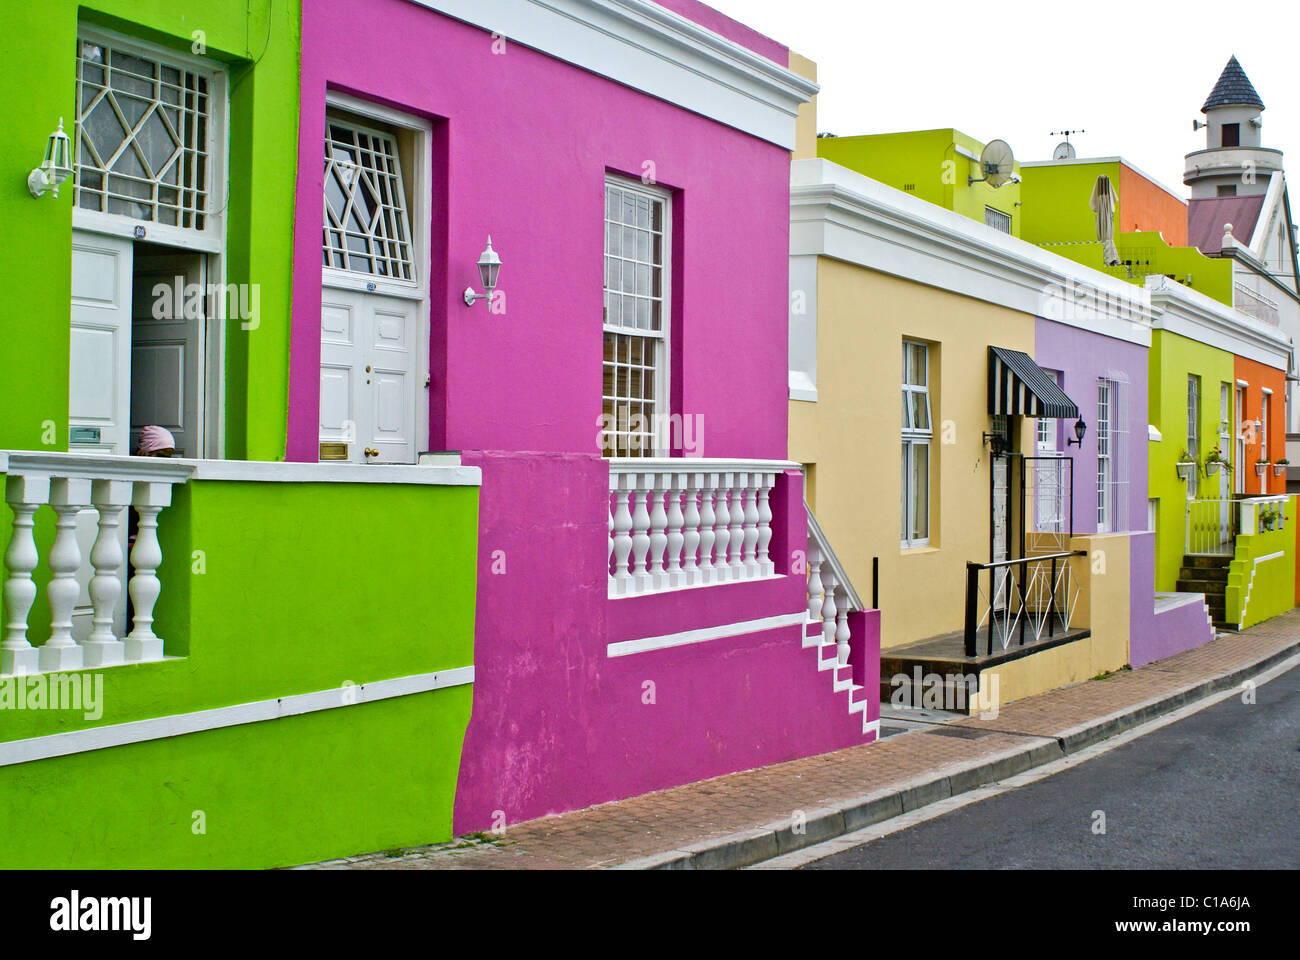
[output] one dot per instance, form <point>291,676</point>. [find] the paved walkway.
<point>737,818</point>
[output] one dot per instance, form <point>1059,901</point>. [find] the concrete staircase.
<point>1208,575</point>
<point>841,674</point>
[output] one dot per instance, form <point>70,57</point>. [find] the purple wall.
<point>1083,357</point>
<point>522,144</point>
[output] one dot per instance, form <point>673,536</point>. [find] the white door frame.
<point>210,241</point>
<point>421,219</point>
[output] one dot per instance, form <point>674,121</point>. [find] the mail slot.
<point>333,451</point>
<point>83,435</point>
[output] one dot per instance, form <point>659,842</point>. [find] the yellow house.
<point>938,452</point>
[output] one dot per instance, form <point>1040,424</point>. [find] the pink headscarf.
<point>155,438</point>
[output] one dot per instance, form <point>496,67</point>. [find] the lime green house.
<point>941,166</point>
<point>192,673</point>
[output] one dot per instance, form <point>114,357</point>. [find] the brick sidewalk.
<point>688,816</point>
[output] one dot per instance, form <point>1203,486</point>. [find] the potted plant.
<point>1260,467</point>
<point>1185,466</point>
<point>1279,466</point>
<point>1214,460</point>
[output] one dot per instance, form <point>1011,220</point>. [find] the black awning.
<point>1020,387</point>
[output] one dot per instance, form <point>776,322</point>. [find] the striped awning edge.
<point>1020,387</point>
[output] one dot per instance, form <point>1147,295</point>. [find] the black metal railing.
<point>1028,599</point>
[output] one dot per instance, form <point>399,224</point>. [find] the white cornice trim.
<point>1190,313</point>
<point>654,50</point>
<point>180,724</point>
<point>837,213</point>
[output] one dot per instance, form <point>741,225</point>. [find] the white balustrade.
<point>81,487</point>
<point>678,523</point>
<point>831,597</point>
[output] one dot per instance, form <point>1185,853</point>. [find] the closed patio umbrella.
<point>1102,203</point>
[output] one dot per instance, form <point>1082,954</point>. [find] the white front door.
<point>368,393</point>
<point>168,318</point>
<point>99,379</point>
<point>99,365</point>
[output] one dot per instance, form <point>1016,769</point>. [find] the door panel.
<point>169,314</point>
<point>99,362</point>
<point>368,360</point>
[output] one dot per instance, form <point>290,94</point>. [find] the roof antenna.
<point>1064,150</point>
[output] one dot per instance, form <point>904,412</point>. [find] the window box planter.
<point>1260,467</point>
<point>1212,467</point>
<point>1185,468</point>
<point>1279,468</point>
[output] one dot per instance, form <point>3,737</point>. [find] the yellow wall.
<point>805,127</point>
<point>1103,606</point>
<point>852,435</point>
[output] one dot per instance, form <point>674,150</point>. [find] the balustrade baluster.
<point>641,532</point>
<point>102,648</point>
<point>708,523</point>
<point>736,545</point>
<point>765,565</point>
<point>67,498</point>
<point>622,545</point>
<point>816,594</point>
<point>750,553</point>
<point>658,534</point>
<point>676,537</point>
<point>149,498</point>
<point>828,604</point>
<point>691,531</point>
<point>721,561</point>
<point>842,626</point>
<point>24,495</point>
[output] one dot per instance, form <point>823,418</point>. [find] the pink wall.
<point>522,146</point>
<point>733,30</point>
<point>523,143</point>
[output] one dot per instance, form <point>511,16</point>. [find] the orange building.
<point>1146,205</point>
<point>1260,427</point>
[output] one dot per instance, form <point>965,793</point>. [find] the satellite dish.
<point>1064,151</point>
<point>997,162</point>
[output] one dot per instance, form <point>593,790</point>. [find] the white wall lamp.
<point>56,167</point>
<point>489,265</point>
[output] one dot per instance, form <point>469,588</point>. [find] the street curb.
<point>756,845</point>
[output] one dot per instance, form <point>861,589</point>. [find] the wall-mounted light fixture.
<point>489,265</point>
<point>1080,428</point>
<point>56,167</point>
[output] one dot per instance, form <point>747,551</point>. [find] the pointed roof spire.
<point>1233,89</point>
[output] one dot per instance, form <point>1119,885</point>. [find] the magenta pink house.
<point>646,567</point>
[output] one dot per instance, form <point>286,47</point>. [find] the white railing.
<point>89,495</point>
<point>1259,514</point>
<point>831,597</point>
<point>1211,527</point>
<point>676,523</point>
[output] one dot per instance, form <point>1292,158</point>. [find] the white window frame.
<point>912,437</point>
<point>1106,406</point>
<point>419,176</point>
<point>999,216</point>
<point>211,240</point>
<point>662,336</point>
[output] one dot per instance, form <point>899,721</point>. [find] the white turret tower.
<point>1233,163</point>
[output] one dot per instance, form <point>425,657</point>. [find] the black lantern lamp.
<point>1080,428</point>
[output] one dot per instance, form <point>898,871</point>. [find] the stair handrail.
<point>818,536</point>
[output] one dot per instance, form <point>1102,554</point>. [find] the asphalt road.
<point>1217,790</point>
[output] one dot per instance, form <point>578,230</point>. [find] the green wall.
<point>273,606</point>
<point>258,40</point>
<point>925,163</point>
<point>1056,204</point>
<point>1171,359</point>
<point>1260,588</point>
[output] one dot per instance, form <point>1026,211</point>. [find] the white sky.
<point>1132,74</point>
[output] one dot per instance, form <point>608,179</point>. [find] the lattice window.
<point>367,225</point>
<point>144,137</point>
<point>636,325</point>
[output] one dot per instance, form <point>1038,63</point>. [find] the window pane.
<point>921,487</point>
<point>921,411</point>
<point>902,507</point>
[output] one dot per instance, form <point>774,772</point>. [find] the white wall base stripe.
<point>158,728</point>
<point>623,648</point>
